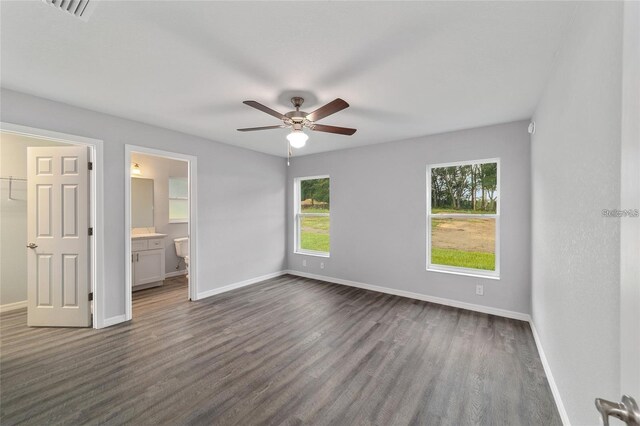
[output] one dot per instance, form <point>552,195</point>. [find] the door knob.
<point>32,245</point>
<point>627,410</point>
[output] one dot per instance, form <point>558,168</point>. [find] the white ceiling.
<point>407,69</point>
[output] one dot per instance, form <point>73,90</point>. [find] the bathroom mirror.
<point>141,203</point>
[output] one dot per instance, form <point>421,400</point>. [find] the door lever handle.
<point>627,410</point>
<point>31,245</point>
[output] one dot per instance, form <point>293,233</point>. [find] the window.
<point>178,200</point>
<point>463,218</point>
<point>312,206</point>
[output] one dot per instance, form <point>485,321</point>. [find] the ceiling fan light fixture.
<point>297,138</point>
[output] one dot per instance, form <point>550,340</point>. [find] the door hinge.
<point>90,231</point>
<point>90,165</point>
<point>90,296</point>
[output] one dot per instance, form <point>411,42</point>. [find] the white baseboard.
<point>547,371</point>
<point>13,306</point>
<point>175,274</point>
<point>439,300</point>
<point>240,284</point>
<point>108,322</point>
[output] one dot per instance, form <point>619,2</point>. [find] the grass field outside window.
<point>314,233</point>
<point>463,242</point>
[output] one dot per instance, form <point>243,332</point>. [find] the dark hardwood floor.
<point>285,351</point>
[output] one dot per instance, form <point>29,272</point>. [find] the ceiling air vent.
<point>78,8</point>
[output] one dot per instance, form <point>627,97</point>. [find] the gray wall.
<point>378,214</point>
<point>13,217</point>
<point>233,184</point>
<point>160,169</point>
<point>576,174</point>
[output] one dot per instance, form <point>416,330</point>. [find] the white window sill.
<point>464,272</point>
<point>312,253</point>
<point>178,221</point>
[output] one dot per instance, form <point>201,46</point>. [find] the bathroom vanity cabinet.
<point>147,260</point>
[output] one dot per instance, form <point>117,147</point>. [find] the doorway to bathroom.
<point>160,235</point>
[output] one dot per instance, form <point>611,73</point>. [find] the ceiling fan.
<point>297,120</point>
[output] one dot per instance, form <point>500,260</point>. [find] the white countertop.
<point>147,236</point>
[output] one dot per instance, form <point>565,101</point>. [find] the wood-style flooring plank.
<point>288,351</point>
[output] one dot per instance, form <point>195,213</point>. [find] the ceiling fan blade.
<point>333,129</point>
<point>330,108</point>
<point>251,129</point>
<point>266,109</point>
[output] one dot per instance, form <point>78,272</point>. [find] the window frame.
<point>458,270</point>
<point>298,215</point>
<point>169,198</point>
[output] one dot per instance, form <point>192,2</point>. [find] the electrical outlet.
<point>480,290</point>
<point>321,265</point>
<point>304,262</point>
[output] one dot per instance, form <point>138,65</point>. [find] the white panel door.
<point>58,223</point>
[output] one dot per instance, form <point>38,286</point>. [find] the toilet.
<point>182,250</point>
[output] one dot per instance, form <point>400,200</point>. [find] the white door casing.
<point>58,223</point>
<point>192,225</point>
